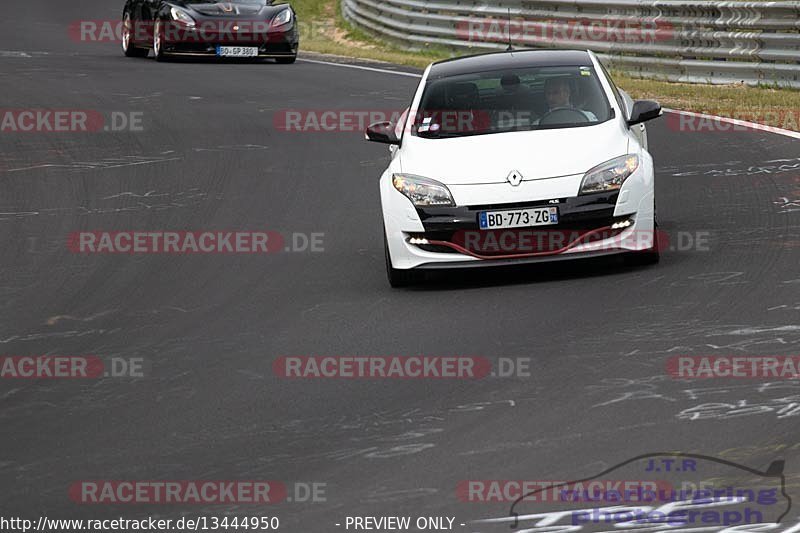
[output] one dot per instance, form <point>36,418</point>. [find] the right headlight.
<point>423,192</point>
<point>284,17</point>
<point>180,15</point>
<point>609,176</point>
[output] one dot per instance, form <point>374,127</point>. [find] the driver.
<point>558,95</point>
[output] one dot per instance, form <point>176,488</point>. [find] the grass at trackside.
<point>325,31</point>
<point>773,107</point>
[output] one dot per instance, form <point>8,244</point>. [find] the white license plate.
<point>237,51</point>
<point>518,218</point>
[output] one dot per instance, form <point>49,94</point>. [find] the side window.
<point>617,95</point>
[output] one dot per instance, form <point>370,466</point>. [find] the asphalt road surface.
<point>208,328</point>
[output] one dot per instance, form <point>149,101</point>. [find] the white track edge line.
<point>737,122</point>
<point>361,67</point>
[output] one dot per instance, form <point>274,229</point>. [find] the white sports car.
<point>516,157</point>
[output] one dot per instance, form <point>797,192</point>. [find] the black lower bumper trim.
<point>577,212</point>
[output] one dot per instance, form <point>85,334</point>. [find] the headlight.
<point>181,16</point>
<point>284,17</point>
<point>423,191</point>
<point>610,175</point>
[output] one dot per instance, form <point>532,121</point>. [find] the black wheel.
<point>286,60</point>
<point>128,48</point>
<point>397,278</point>
<point>650,256</point>
<point>158,42</point>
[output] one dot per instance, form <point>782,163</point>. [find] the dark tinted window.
<point>511,100</point>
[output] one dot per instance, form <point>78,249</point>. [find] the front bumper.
<point>589,226</point>
<point>270,44</point>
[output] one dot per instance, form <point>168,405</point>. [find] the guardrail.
<point>756,43</point>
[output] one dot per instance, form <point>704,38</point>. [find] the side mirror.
<point>644,110</point>
<point>382,132</point>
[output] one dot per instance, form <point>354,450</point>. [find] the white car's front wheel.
<point>650,256</point>
<point>397,277</point>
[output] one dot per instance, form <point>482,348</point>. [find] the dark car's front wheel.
<point>128,48</point>
<point>158,41</point>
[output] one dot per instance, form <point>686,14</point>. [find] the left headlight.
<point>423,192</point>
<point>282,18</point>
<point>609,176</point>
<point>180,15</point>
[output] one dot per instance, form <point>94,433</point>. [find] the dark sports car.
<point>239,29</point>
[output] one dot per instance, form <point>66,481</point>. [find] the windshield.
<point>511,100</point>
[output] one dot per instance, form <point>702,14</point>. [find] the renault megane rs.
<point>515,157</point>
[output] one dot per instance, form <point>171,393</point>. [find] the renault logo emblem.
<point>514,177</point>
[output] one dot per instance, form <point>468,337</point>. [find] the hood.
<point>231,9</point>
<point>490,158</point>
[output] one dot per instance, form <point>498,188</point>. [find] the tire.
<point>286,60</point>
<point>650,256</point>
<point>397,278</point>
<point>128,48</point>
<point>158,48</point>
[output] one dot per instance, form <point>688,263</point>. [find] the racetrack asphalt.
<point>208,327</point>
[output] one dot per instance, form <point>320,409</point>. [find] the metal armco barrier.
<point>757,43</point>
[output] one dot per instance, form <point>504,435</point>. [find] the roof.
<point>512,59</point>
